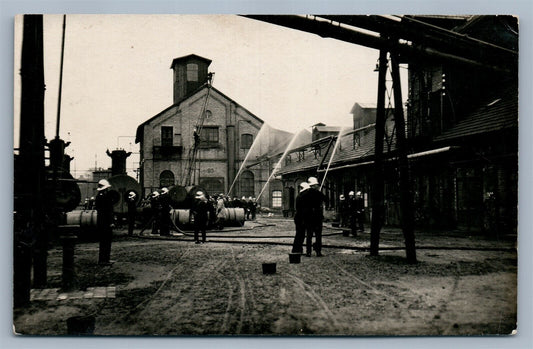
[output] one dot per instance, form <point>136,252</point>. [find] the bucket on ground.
<point>269,268</point>
<point>295,257</point>
<point>80,325</point>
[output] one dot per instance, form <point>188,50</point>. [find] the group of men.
<point>308,218</point>
<point>352,213</point>
<point>309,215</point>
<point>160,204</point>
<point>248,204</point>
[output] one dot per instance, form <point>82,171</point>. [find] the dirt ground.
<point>462,285</point>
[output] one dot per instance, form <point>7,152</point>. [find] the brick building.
<point>227,134</point>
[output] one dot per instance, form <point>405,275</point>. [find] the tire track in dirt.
<point>377,291</point>
<point>224,327</point>
<point>144,305</point>
<point>169,275</point>
<point>444,303</point>
<point>173,305</point>
<point>241,307</point>
<point>308,290</point>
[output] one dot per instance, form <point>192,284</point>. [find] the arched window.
<point>166,179</point>
<point>192,72</point>
<point>247,184</point>
<point>246,141</point>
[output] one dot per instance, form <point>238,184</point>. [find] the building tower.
<point>190,73</point>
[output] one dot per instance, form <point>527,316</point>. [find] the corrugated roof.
<point>346,151</point>
<point>496,114</point>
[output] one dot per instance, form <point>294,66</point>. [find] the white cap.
<point>103,184</point>
<point>304,186</point>
<point>155,193</point>
<point>199,194</point>
<point>358,193</point>
<point>341,197</point>
<point>164,190</point>
<point>312,181</point>
<point>351,193</point>
<point>132,194</point>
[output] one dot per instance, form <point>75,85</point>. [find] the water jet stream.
<point>252,147</point>
<point>278,164</point>
<point>337,144</point>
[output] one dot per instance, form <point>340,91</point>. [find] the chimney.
<point>190,73</point>
<point>118,161</point>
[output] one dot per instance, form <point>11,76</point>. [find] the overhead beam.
<point>408,52</point>
<point>427,35</point>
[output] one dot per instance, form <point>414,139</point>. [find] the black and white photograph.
<point>297,175</point>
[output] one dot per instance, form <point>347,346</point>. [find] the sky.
<point>117,74</point>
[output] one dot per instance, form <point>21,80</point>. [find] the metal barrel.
<point>180,217</point>
<point>123,185</point>
<point>234,216</point>
<point>83,218</point>
<point>74,217</point>
<point>177,194</point>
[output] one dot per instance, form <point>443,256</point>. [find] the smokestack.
<point>118,161</point>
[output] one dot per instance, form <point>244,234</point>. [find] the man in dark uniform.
<point>155,205</point>
<point>344,213</point>
<point>360,211</point>
<point>315,200</point>
<point>253,208</point>
<point>352,203</point>
<point>212,211</point>
<point>104,221</point>
<point>131,200</point>
<point>299,218</point>
<point>164,206</point>
<point>199,211</point>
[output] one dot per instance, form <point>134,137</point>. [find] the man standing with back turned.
<point>315,200</point>
<point>104,221</point>
<point>299,218</point>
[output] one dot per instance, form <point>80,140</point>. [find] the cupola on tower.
<point>190,72</point>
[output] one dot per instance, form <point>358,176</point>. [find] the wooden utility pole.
<point>29,181</point>
<point>406,197</point>
<point>378,187</point>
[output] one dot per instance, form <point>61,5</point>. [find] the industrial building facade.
<point>226,136</point>
<point>462,137</point>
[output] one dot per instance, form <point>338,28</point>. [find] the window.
<point>247,184</point>
<point>166,135</point>
<point>246,141</point>
<point>276,198</point>
<point>209,136</point>
<point>166,179</point>
<point>213,185</point>
<point>317,151</point>
<point>288,159</point>
<point>356,140</point>
<point>192,72</point>
<point>208,114</point>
